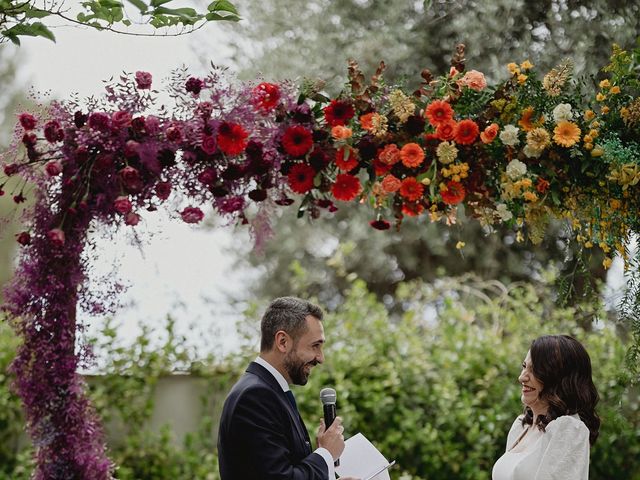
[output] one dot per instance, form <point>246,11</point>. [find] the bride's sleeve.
<point>566,455</point>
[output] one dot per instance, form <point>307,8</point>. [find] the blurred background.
<point>425,341</point>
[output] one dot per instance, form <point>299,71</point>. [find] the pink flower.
<point>163,190</point>
<point>209,145</point>
<point>27,121</point>
<point>207,176</point>
<point>99,121</point>
<point>173,133</point>
<point>121,119</point>
<point>192,215</point>
<point>53,168</point>
<point>53,131</point>
<point>56,237</point>
<point>131,179</point>
<point>266,96</point>
<point>131,149</point>
<point>131,219</point>
<point>152,125</point>
<point>143,80</point>
<point>122,205</point>
<point>230,205</point>
<point>474,80</point>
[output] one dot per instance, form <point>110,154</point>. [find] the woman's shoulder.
<point>568,424</point>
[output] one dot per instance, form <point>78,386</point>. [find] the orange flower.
<point>391,184</point>
<point>466,132</point>
<point>412,155</point>
<point>438,112</point>
<point>527,122</point>
<point>446,130</point>
<point>412,209</point>
<point>566,133</point>
<point>390,154</point>
<point>453,193</point>
<point>366,121</point>
<point>542,185</point>
<point>340,132</point>
<point>346,159</point>
<point>489,133</point>
<point>411,189</point>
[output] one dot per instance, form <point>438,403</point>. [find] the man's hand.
<point>331,438</point>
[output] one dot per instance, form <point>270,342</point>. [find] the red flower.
<point>466,132</point>
<point>209,144</point>
<point>192,215</point>
<point>27,121</point>
<point>266,96</point>
<point>411,189</point>
<point>11,169</point>
<point>380,224</point>
<point>350,162</point>
<point>131,179</point>
<point>453,194</point>
<point>122,205</point>
<point>446,130</point>
<point>297,141</point>
<point>53,131</point>
<point>542,185</point>
<point>56,237</point>
<point>232,138</point>
<point>131,219</point>
<point>301,177</point>
<point>439,112</point>
<point>53,168</point>
<point>338,113</point>
<point>346,187</point>
<point>121,119</point>
<point>23,238</point>
<point>163,190</point>
<point>412,209</point>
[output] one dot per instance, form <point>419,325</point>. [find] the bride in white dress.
<point>551,440</point>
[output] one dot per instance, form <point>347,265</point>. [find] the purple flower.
<point>192,215</point>
<point>194,85</point>
<point>143,80</point>
<point>122,205</point>
<point>23,238</point>
<point>173,133</point>
<point>56,237</point>
<point>99,121</point>
<point>121,119</point>
<point>209,144</point>
<point>53,131</point>
<point>163,190</point>
<point>152,125</point>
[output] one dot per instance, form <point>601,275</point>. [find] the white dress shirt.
<point>323,452</point>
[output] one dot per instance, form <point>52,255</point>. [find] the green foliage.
<point>21,18</point>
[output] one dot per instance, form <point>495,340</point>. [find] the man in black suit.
<point>261,434</point>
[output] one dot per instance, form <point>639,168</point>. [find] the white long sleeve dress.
<point>559,453</point>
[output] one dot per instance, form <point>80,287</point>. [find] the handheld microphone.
<point>328,398</point>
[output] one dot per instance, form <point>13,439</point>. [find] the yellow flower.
<point>605,83</point>
<point>593,133</point>
<point>588,245</point>
<point>566,133</point>
<point>426,181</point>
<point>513,68</point>
<point>589,115</point>
<point>600,97</point>
<point>595,124</point>
<point>604,110</point>
<point>615,204</point>
<point>519,237</point>
<point>526,65</point>
<point>606,263</point>
<point>530,196</point>
<point>615,90</point>
<point>522,78</point>
<point>597,152</point>
<point>587,139</point>
<point>460,245</point>
<point>588,146</point>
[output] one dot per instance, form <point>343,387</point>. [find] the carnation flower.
<point>566,133</point>
<point>297,141</point>
<point>390,154</point>
<point>301,178</point>
<point>542,185</point>
<point>131,219</point>
<point>531,152</point>
<point>122,205</point>
<point>452,193</point>
<point>379,125</point>
<point>131,179</point>
<point>438,112</point>
<point>266,96</point>
<point>516,169</point>
<point>562,112</point>
<point>538,139</point>
<point>163,190</point>
<point>340,132</point>
<point>412,155</point>
<point>53,131</point>
<point>338,112</point>
<point>489,133</point>
<point>346,187</point>
<point>466,132</point>
<point>446,152</point>
<point>27,121</point>
<point>99,121</point>
<point>194,85</point>
<point>143,80</point>
<point>503,212</point>
<point>346,159</point>
<point>56,237</point>
<point>53,168</point>
<point>474,80</point>
<point>390,184</point>
<point>209,145</point>
<point>509,135</point>
<point>121,119</point>
<point>446,130</point>
<point>411,189</point>
<point>207,176</point>
<point>192,215</point>
<point>232,138</point>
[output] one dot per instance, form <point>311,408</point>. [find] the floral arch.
<point>522,152</point>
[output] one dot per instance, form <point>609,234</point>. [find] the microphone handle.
<point>329,417</point>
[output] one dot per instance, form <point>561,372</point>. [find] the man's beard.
<point>296,368</point>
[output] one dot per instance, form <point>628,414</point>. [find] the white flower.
<point>531,152</point>
<point>446,152</point>
<point>516,169</point>
<point>503,212</point>
<point>562,113</point>
<point>509,135</point>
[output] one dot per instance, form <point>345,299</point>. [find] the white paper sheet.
<point>361,459</point>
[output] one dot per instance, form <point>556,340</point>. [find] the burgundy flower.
<point>99,121</point>
<point>207,176</point>
<point>209,144</point>
<point>152,125</point>
<point>27,121</point>
<point>23,238</point>
<point>19,198</point>
<point>173,133</point>
<point>380,224</point>
<point>121,119</point>
<point>56,237</point>
<point>231,204</point>
<point>131,179</point>
<point>11,169</point>
<point>258,195</point>
<point>29,139</point>
<point>53,168</point>
<point>143,80</point>
<point>192,215</point>
<point>297,141</point>
<point>194,85</point>
<point>53,131</point>
<point>301,178</point>
<point>338,113</point>
<point>163,190</point>
<point>79,119</point>
<point>204,109</point>
<point>131,149</point>
<point>131,219</point>
<point>138,124</point>
<point>122,205</point>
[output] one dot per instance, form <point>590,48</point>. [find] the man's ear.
<point>283,341</point>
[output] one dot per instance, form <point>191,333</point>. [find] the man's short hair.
<point>288,314</point>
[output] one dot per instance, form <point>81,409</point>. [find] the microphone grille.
<point>328,396</point>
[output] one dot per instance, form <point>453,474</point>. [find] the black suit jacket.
<point>261,436</point>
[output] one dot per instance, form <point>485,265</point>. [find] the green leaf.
<point>140,5</point>
<point>212,17</point>
<point>36,13</point>
<point>222,5</point>
<point>158,3</point>
<point>36,29</point>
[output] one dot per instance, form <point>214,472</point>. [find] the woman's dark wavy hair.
<point>563,367</point>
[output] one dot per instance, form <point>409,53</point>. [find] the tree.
<point>23,17</point>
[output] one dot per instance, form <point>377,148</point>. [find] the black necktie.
<point>292,399</point>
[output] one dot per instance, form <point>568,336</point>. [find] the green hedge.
<point>436,390</point>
